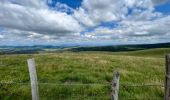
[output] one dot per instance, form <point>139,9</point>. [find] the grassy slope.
<point>82,68</point>
<point>159,52</point>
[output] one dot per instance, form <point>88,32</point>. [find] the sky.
<point>84,22</point>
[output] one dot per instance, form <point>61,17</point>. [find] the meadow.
<point>85,75</point>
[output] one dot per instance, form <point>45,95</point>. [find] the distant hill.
<point>26,49</point>
<point>157,52</point>
<point>53,49</point>
<point>121,48</point>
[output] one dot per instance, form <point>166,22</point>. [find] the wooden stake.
<point>115,85</point>
<point>33,79</point>
<point>167,78</point>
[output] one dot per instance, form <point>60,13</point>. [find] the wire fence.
<point>121,84</point>
<point>79,91</point>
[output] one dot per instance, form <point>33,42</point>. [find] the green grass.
<point>83,75</point>
<point>159,52</point>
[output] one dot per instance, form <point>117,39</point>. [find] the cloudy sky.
<point>90,22</point>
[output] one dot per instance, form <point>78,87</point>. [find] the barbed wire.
<point>141,85</point>
<point>154,98</point>
<point>92,84</point>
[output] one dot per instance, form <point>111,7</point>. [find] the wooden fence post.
<point>33,79</point>
<point>115,85</point>
<point>167,78</point>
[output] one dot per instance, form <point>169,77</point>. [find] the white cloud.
<point>40,20</point>
<point>33,20</point>
<point>1,36</point>
<point>94,12</point>
<point>26,3</point>
<point>134,30</point>
<point>63,8</point>
<point>83,18</point>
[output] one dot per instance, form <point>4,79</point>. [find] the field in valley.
<point>85,75</point>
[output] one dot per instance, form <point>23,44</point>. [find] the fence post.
<point>33,79</point>
<point>115,85</point>
<point>167,78</point>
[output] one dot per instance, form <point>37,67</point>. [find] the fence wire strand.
<point>121,84</point>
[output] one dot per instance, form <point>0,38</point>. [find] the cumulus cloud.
<point>32,16</point>
<point>142,30</point>
<point>136,20</point>
<point>94,12</point>
<point>1,36</point>
<point>26,3</point>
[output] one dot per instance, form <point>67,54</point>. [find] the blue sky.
<point>71,3</point>
<point>163,8</point>
<point>84,22</point>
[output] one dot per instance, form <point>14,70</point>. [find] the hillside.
<point>82,75</point>
<point>55,49</point>
<point>120,48</point>
<point>158,52</point>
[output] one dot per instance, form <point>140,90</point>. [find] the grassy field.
<point>159,52</point>
<point>84,75</point>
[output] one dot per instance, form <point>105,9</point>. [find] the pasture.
<point>84,75</point>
